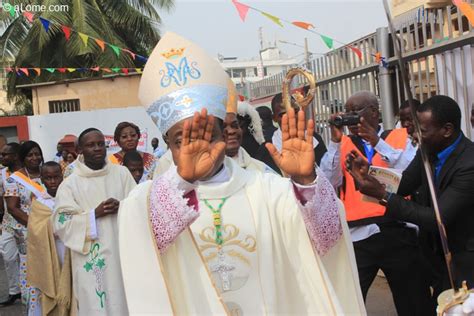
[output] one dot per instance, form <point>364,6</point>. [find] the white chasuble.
<point>267,264</point>
<point>97,281</point>
<point>234,267</point>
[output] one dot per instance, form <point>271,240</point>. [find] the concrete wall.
<point>48,129</point>
<point>116,92</point>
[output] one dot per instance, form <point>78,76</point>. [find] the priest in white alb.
<point>208,237</point>
<point>86,222</point>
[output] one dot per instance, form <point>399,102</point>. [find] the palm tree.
<point>132,24</point>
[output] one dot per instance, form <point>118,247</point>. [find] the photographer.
<point>379,243</point>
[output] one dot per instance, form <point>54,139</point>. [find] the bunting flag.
<point>100,43</point>
<point>45,24</point>
<point>116,49</point>
<point>29,16</point>
<point>26,71</point>
<point>378,57</point>
<point>84,38</point>
<point>273,18</point>
<point>356,51</point>
<point>242,9</point>
<point>12,10</point>
<point>303,25</point>
<point>328,41</point>
<point>130,52</point>
<point>66,31</point>
<point>465,9</point>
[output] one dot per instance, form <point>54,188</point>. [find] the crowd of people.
<point>247,211</point>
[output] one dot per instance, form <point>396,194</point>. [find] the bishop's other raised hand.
<point>297,156</point>
<point>198,156</point>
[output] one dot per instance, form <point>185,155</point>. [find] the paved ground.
<point>379,299</point>
<point>14,310</point>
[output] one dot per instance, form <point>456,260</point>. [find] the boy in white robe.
<point>86,221</point>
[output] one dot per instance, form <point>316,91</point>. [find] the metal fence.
<point>438,46</point>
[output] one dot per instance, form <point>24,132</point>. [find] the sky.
<point>216,26</point>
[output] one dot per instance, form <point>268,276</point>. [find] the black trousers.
<point>396,252</point>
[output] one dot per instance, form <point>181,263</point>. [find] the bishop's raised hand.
<point>198,156</point>
<point>297,156</point>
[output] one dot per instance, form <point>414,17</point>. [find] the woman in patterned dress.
<point>126,135</point>
<point>20,189</point>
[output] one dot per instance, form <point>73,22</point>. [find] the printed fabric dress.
<point>149,164</point>
<point>16,188</point>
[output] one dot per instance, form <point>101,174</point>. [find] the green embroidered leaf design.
<point>62,218</point>
<point>88,266</point>
<point>100,263</point>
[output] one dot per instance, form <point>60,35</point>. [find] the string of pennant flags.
<point>243,10</point>
<point>67,30</point>
<point>28,71</point>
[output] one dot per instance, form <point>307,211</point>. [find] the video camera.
<point>345,120</point>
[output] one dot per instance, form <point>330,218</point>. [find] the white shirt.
<point>396,158</point>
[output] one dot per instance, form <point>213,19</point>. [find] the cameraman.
<point>379,243</point>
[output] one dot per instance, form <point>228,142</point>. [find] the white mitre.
<point>180,79</point>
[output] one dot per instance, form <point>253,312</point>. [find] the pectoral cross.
<point>224,270</point>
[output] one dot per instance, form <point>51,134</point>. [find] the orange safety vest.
<point>356,209</point>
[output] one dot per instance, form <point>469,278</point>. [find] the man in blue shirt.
<point>452,160</point>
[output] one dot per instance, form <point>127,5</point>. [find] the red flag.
<point>67,32</point>
<point>125,71</point>
<point>130,52</point>
<point>62,70</point>
<point>242,9</point>
<point>25,71</point>
<point>303,25</point>
<point>95,68</point>
<point>29,16</point>
<point>356,51</point>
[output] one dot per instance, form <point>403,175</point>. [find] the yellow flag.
<point>84,37</point>
<point>273,18</point>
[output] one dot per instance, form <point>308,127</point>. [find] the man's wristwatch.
<point>384,201</point>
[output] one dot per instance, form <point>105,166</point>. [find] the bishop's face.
<point>175,137</point>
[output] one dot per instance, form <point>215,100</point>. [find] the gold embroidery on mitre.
<point>173,53</point>
<point>186,101</point>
